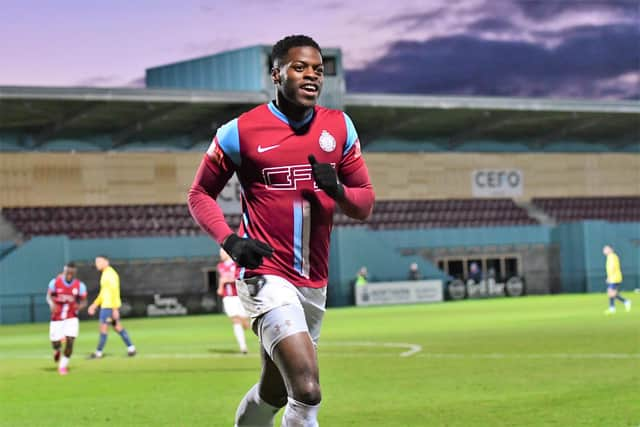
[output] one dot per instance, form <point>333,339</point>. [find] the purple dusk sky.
<point>557,48</point>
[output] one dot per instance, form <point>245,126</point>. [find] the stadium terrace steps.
<point>613,209</point>
<point>8,231</point>
<point>81,222</point>
<point>537,213</point>
<point>394,214</point>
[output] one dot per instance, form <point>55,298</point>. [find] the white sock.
<point>298,414</point>
<point>64,362</point>
<point>254,411</point>
<point>131,348</point>
<point>238,331</point>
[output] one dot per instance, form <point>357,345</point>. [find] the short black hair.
<point>102,256</point>
<point>281,48</point>
<point>70,264</point>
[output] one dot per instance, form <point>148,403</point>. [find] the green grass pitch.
<point>533,361</point>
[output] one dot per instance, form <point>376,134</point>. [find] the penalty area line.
<point>411,348</point>
<point>494,356</point>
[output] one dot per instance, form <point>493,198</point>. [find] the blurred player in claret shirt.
<point>295,162</point>
<point>227,274</point>
<point>66,296</point>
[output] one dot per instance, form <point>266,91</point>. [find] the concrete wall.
<point>146,266</point>
<point>387,254</point>
<point>448,175</point>
<point>567,258</point>
<point>116,178</point>
<point>583,264</point>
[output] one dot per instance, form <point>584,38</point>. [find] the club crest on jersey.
<point>214,151</point>
<point>358,152</point>
<point>327,141</point>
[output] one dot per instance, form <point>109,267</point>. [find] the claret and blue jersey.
<point>282,206</point>
<point>67,296</point>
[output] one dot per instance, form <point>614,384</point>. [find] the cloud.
<point>534,21</point>
<point>589,62</point>
<point>332,5</point>
<point>106,80</point>
<point>542,10</point>
<point>138,82</point>
<point>416,20</point>
<point>625,86</point>
<point>436,18</point>
<point>491,24</point>
<point>203,48</point>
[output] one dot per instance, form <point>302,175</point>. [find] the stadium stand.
<point>80,222</point>
<point>6,247</point>
<point>174,219</point>
<point>614,209</point>
<point>103,164</point>
<point>449,213</point>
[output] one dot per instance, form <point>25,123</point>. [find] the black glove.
<point>246,252</point>
<point>326,178</point>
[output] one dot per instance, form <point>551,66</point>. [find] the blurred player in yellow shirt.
<point>614,280</point>
<point>109,302</point>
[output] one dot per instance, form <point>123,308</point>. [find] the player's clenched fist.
<point>246,252</point>
<point>326,178</point>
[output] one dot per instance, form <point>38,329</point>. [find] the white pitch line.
<point>530,356</point>
<point>412,348</point>
<point>412,351</point>
<point>195,355</point>
<point>352,355</point>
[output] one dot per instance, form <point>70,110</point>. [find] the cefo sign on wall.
<point>497,183</point>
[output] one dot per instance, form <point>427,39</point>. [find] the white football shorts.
<point>59,329</point>
<point>233,307</point>
<point>282,309</point>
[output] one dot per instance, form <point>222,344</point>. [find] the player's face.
<point>100,263</point>
<point>300,79</point>
<point>69,273</point>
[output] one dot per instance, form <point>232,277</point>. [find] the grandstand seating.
<point>106,221</point>
<point>175,220</point>
<point>614,209</point>
<point>394,214</point>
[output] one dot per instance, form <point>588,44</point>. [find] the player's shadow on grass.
<point>223,351</point>
<point>186,369</point>
<point>49,368</point>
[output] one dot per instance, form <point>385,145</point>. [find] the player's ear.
<point>275,75</point>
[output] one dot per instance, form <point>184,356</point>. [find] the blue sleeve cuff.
<point>229,140</point>
<point>352,135</point>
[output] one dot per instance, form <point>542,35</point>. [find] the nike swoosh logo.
<point>270,147</point>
